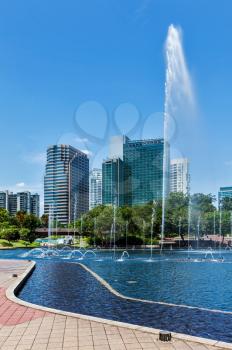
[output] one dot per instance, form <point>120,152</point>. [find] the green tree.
<point>20,217</point>
<point>31,222</point>
<point>26,235</point>
<point>44,220</point>
<point>226,204</point>
<point>10,233</point>
<point>203,203</point>
<point>176,211</point>
<point>4,215</point>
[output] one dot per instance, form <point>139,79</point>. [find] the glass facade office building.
<point>143,170</point>
<point>66,183</point>
<point>112,182</point>
<point>224,192</point>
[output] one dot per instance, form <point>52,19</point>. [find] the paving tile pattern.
<point>25,328</point>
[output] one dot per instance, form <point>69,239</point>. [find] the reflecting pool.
<point>203,280</point>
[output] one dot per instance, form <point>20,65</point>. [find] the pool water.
<point>169,278</point>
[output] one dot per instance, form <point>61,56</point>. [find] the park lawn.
<point>17,244</point>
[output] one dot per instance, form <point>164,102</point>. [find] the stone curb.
<point>20,280</point>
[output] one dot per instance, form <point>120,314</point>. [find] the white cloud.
<point>81,140</point>
<point>20,184</point>
<point>72,139</point>
<point>87,152</point>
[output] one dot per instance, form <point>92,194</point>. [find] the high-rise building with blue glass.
<point>136,177</point>
<point>224,192</point>
<point>143,170</point>
<point>66,183</point>
<point>112,182</point>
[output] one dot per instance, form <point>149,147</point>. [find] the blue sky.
<point>70,63</point>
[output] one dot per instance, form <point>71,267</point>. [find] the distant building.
<point>179,175</point>
<point>35,205</point>
<point>13,204</point>
<point>116,146</point>
<point>66,183</point>
<point>112,182</point>
<point>224,192</point>
<point>95,188</point>
<point>24,201</point>
<point>143,171</point>
<point>21,201</point>
<point>4,196</point>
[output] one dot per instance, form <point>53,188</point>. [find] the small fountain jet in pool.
<point>212,258</point>
<point>124,254</point>
<point>89,252</point>
<point>209,253</point>
<point>80,254</point>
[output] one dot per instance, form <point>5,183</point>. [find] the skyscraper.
<point>143,170</point>
<point>95,188</point>
<point>179,175</point>
<point>112,182</point>
<point>66,183</point>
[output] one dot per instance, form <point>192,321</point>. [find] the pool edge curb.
<point>21,279</point>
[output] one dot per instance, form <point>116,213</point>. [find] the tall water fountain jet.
<point>231,224</point>
<point>220,230</point>
<point>189,224</point>
<point>179,226</point>
<point>152,228</point>
<point>111,235</point>
<point>179,99</point>
<point>94,232</point>
<point>114,229</point>
<point>126,233</point>
<point>198,230</point>
<point>50,222</point>
<point>144,236</point>
<point>80,243</point>
<point>75,219</point>
<point>214,228</point>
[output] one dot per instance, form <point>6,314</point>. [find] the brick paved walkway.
<point>26,328</point>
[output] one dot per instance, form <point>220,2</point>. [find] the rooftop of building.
<point>227,188</point>
<point>66,146</point>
